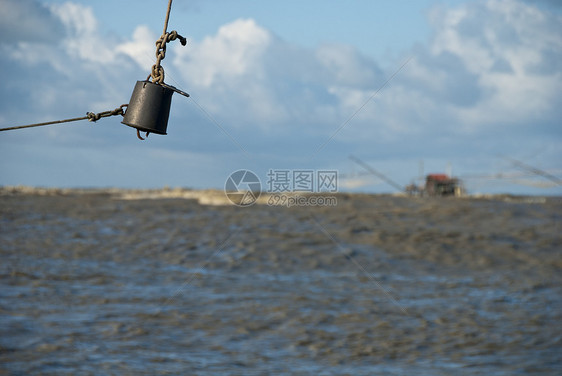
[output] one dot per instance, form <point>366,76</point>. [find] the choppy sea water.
<point>92,284</point>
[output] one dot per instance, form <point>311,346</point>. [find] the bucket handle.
<point>181,92</point>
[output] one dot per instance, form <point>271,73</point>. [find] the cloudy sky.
<point>456,86</point>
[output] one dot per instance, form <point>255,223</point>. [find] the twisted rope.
<point>90,116</point>
<point>167,17</point>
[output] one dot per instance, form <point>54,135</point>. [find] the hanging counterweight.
<point>149,107</point>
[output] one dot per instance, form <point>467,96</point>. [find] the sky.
<point>408,87</point>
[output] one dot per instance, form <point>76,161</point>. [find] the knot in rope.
<point>157,72</point>
<point>95,117</point>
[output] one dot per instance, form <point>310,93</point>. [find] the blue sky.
<point>482,82</point>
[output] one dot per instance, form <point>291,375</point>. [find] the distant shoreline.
<point>218,197</point>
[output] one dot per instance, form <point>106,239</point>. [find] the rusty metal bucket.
<point>149,107</point>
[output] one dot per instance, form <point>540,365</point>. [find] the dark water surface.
<point>93,284</point>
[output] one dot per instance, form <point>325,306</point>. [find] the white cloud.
<point>83,37</point>
<point>141,48</point>
<point>237,50</point>
<point>479,71</point>
<point>346,67</point>
<point>491,68</point>
<point>254,79</point>
<point>78,72</point>
<point>28,20</point>
<point>500,42</point>
<point>229,73</point>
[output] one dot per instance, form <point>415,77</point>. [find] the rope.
<point>157,71</point>
<point>90,116</point>
<point>95,117</point>
<point>167,17</point>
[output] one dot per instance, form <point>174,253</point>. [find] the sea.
<point>116,282</point>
